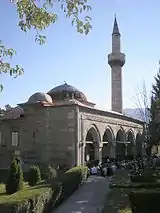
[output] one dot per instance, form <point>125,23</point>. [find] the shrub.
<point>149,185</point>
<point>71,180</point>
<point>29,200</point>
<point>142,178</point>
<point>52,173</point>
<point>49,174</point>
<point>15,179</point>
<point>34,175</point>
<point>145,201</point>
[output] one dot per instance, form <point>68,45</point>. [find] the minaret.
<point>116,60</point>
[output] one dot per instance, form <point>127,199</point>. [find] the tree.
<point>15,179</point>
<point>154,124</point>
<point>142,103</point>
<point>34,175</point>
<point>38,15</point>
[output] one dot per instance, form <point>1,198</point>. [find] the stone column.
<point>96,150</point>
<point>134,150</point>
<point>82,150</point>
<point>126,153</point>
<point>143,148</point>
<point>112,150</point>
<point>100,152</point>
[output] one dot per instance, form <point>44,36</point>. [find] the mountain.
<point>137,113</point>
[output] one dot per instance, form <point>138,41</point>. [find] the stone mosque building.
<point>62,127</point>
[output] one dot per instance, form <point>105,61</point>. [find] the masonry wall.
<point>103,120</point>
<point>46,136</point>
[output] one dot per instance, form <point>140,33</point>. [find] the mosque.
<point>62,127</point>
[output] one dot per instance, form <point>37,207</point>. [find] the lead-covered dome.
<point>65,90</point>
<point>40,97</point>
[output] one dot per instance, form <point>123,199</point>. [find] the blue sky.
<point>82,60</point>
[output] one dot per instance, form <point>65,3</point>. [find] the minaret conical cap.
<point>115,27</point>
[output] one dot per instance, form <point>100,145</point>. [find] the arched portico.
<point>107,142</point>
<point>139,148</point>
<point>92,141</point>
<point>130,145</point>
<point>120,144</point>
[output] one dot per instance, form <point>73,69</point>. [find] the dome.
<point>40,97</point>
<point>65,90</point>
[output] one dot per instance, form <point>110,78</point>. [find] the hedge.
<point>143,178</point>
<point>4,175</point>
<point>70,182</point>
<point>29,200</point>
<point>43,198</point>
<point>145,201</point>
<point>146,185</point>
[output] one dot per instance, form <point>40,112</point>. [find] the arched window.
<point>15,139</point>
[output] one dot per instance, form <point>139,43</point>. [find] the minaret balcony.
<point>116,59</point>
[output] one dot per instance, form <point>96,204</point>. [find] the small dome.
<point>40,97</point>
<point>63,91</point>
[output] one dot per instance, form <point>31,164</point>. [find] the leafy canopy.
<point>155,111</point>
<point>38,15</point>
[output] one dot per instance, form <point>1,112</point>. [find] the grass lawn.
<point>117,200</point>
<point>20,196</point>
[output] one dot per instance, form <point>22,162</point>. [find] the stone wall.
<point>46,135</point>
<point>101,121</point>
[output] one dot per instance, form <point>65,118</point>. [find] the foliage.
<point>117,200</point>
<point>48,173</point>
<point>34,175</point>
<point>38,15</point>
<point>41,198</point>
<point>30,199</point>
<point>5,66</point>
<point>52,173</point>
<point>142,102</point>
<point>70,181</point>
<point>15,179</point>
<point>145,200</point>
<point>154,125</point>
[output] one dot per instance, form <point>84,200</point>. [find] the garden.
<point>138,193</point>
<point>38,192</point>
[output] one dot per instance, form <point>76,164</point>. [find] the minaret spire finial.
<point>115,27</point>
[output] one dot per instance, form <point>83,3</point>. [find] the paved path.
<point>89,198</point>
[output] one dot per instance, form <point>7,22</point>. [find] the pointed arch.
<point>131,142</point>
<point>108,135</point>
<point>92,141</point>
<point>131,134</point>
<point>120,146</point>
<point>94,131</point>
<point>107,140</point>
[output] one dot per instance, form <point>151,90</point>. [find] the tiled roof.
<point>12,113</point>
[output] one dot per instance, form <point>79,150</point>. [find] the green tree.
<point>34,175</point>
<point>38,15</point>
<point>154,124</point>
<point>15,179</point>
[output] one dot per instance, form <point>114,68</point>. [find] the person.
<point>93,170</point>
<point>113,168</point>
<point>105,171</point>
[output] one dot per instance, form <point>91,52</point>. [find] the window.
<point>15,139</point>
